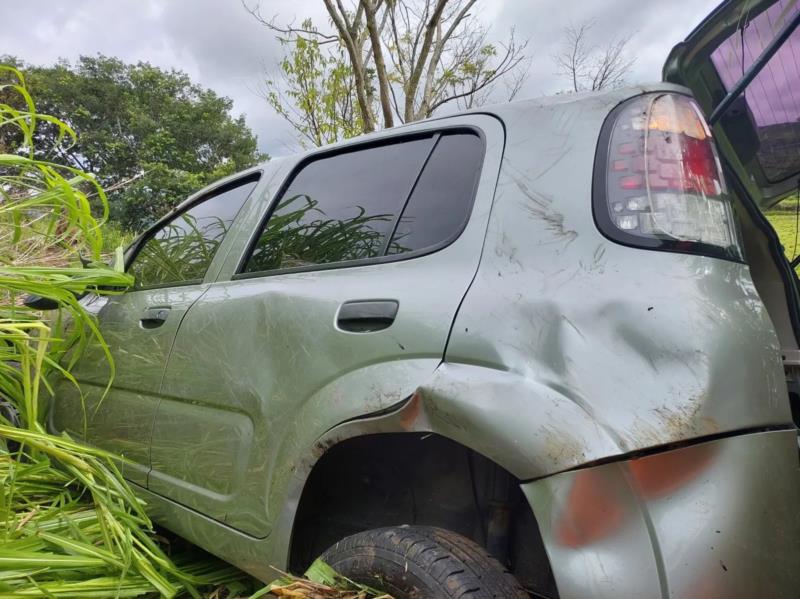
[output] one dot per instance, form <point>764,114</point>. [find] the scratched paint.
<point>531,339</point>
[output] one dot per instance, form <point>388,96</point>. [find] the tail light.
<point>658,180</point>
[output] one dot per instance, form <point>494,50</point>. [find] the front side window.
<point>371,202</point>
<point>180,251</point>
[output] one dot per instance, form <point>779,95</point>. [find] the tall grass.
<point>784,218</point>
<point>69,524</point>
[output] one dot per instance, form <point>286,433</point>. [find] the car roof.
<point>605,99</point>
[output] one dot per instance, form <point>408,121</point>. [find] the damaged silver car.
<point>546,348</point>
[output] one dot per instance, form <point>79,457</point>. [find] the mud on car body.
<point>547,347</point>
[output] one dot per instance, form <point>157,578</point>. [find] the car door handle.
<point>366,316</point>
<point>154,317</point>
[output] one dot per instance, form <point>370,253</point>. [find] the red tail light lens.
<point>658,180</point>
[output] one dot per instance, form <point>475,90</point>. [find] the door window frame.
<point>203,195</point>
<point>434,133</point>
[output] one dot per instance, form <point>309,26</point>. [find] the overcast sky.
<point>222,47</point>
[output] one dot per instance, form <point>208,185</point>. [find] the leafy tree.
<point>395,61</point>
<point>315,93</point>
<point>148,135</point>
<point>147,198</point>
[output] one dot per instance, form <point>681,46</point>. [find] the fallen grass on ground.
<point>320,582</point>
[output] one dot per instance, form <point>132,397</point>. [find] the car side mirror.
<point>37,302</point>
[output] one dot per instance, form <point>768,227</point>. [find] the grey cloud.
<point>654,27</point>
<point>222,47</point>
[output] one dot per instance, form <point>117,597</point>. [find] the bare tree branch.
<point>290,30</point>
<point>406,59</point>
<point>511,60</point>
<point>591,67</point>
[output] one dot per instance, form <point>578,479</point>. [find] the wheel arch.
<point>510,424</point>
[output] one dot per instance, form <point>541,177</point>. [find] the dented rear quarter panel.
<point>567,348</point>
<point>651,347</point>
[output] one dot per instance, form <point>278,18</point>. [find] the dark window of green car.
<point>442,199</point>
<point>344,207</point>
<point>180,251</point>
<point>340,208</point>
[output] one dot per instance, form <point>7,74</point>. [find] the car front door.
<point>338,305</point>
<point>114,402</point>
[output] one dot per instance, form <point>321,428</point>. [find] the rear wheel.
<point>416,562</point>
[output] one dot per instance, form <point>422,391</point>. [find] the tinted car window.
<point>441,201</point>
<point>182,249</point>
<point>340,208</point>
<point>773,96</point>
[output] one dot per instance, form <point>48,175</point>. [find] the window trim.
<point>203,195</point>
<point>434,134</point>
<point>396,220</point>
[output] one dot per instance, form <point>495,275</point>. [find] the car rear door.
<point>743,65</point>
<point>338,305</point>
<point>170,263</point>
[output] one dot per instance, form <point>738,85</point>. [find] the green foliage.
<point>784,219</point>
<point>316,94</point>
<point>402,60</point>
<point>115,237</point>
<point>181,251</point>
<point>300,234</point>
<point>69,524</point>
<point>136,122</point>
<point>148,198</point>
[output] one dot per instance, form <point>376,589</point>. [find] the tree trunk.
<point>342,26</point>
<point>380,64</point>
<point>416,73</point>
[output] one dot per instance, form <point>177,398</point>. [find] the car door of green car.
<point>170,263</point>
<point>339,304</point>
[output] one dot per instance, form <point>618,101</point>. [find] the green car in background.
<point>548,347</point>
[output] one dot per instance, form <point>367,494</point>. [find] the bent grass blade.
<point>69,524</point>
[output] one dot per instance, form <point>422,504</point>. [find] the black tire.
<point>422,562</point>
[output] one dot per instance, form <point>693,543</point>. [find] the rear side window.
<point>372,202</point>
<point>180,251</point>
<point>442,198</point>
